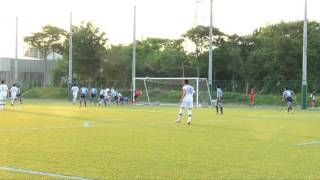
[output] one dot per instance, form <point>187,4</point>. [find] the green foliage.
<point>50,39</point>
<point>199,36</point>
<point>89,53</point>
<point>161,57</point>
<point>278,55</point>
<point>118,63</point>
<point>269,54</point>
<point>46,93</point>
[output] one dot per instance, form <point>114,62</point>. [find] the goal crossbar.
<point>182,78</point>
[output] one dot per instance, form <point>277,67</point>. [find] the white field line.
<point>309,143</point>
<point>45,128</point>
<point>42,173</point>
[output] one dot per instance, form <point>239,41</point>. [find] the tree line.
<point>270,53</point>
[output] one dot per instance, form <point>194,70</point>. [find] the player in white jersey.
<point>186,101</point>
<point>219,100</point>
<point>3,94</point>
<point>107,97</point>
<point>13,92</point>
<point>74,91</point>
<point>288,95</point>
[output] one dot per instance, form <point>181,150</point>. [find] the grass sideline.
<point>144,142</point>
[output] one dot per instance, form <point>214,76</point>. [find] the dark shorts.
<point>289,99</point>
<point>101,96</point>
<point>83,96</point>
<point>219,102</point>
<point>93,95</point>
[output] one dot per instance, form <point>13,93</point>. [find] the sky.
<point>155,18</point>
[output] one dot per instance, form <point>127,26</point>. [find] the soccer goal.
<point>167,91</point>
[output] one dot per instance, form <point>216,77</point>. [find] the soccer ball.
<point>86,124</point>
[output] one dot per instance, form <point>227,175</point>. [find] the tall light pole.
<point>210,53</point>
<point>16,55</point>
<point>70,53</point>
<point>304,58</point>
<point>134,55</point>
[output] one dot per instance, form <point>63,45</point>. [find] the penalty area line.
<point>43,173</point>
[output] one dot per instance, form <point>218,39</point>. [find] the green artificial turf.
<point>141,142</point>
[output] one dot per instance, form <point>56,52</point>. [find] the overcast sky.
<point>155,18</point>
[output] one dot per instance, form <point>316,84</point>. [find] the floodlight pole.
<point>16,55</point>
<point>304,58</point>
<point>134,55</point>
<point>210,53</point>
<point>70,53</point>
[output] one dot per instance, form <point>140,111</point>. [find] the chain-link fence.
<point>235,92</point>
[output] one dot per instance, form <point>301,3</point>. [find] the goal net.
<point>167,91</point>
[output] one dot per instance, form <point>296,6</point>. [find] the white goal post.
<point>168,90</point>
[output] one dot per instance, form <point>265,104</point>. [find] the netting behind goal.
<point>167,91</point>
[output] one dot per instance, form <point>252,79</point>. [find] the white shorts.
<point>13,95</point>
<point>187,104</point>
<point>2,100</point>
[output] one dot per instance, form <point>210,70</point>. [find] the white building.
<point>30,71</point>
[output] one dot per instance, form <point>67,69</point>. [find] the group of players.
<point>14,93</point>
<point>186,101</point>
<point>106,96</point>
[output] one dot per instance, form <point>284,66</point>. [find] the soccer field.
<point>54,139</point>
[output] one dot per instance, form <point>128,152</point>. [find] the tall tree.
<point>50,39</point>
<point>199,36</point>
<point>89,51</point>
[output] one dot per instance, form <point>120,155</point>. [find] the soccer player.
<point>186,101</point>
<point>19,94</point>
<point>115,96</point>
<point>112,92</point>
<point>3,94</point>
<point>13,91</point>
<point>74,91</point>
<point>120,99</point>
<point>251,96</point>
<point>313,96</point>
<point>83,95</point>
<point>101,95</point>
<point>288,95</point>
<point>219,100</point>
<point>93,94</point>
<point>137,94</point>
<point>107,98</point>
